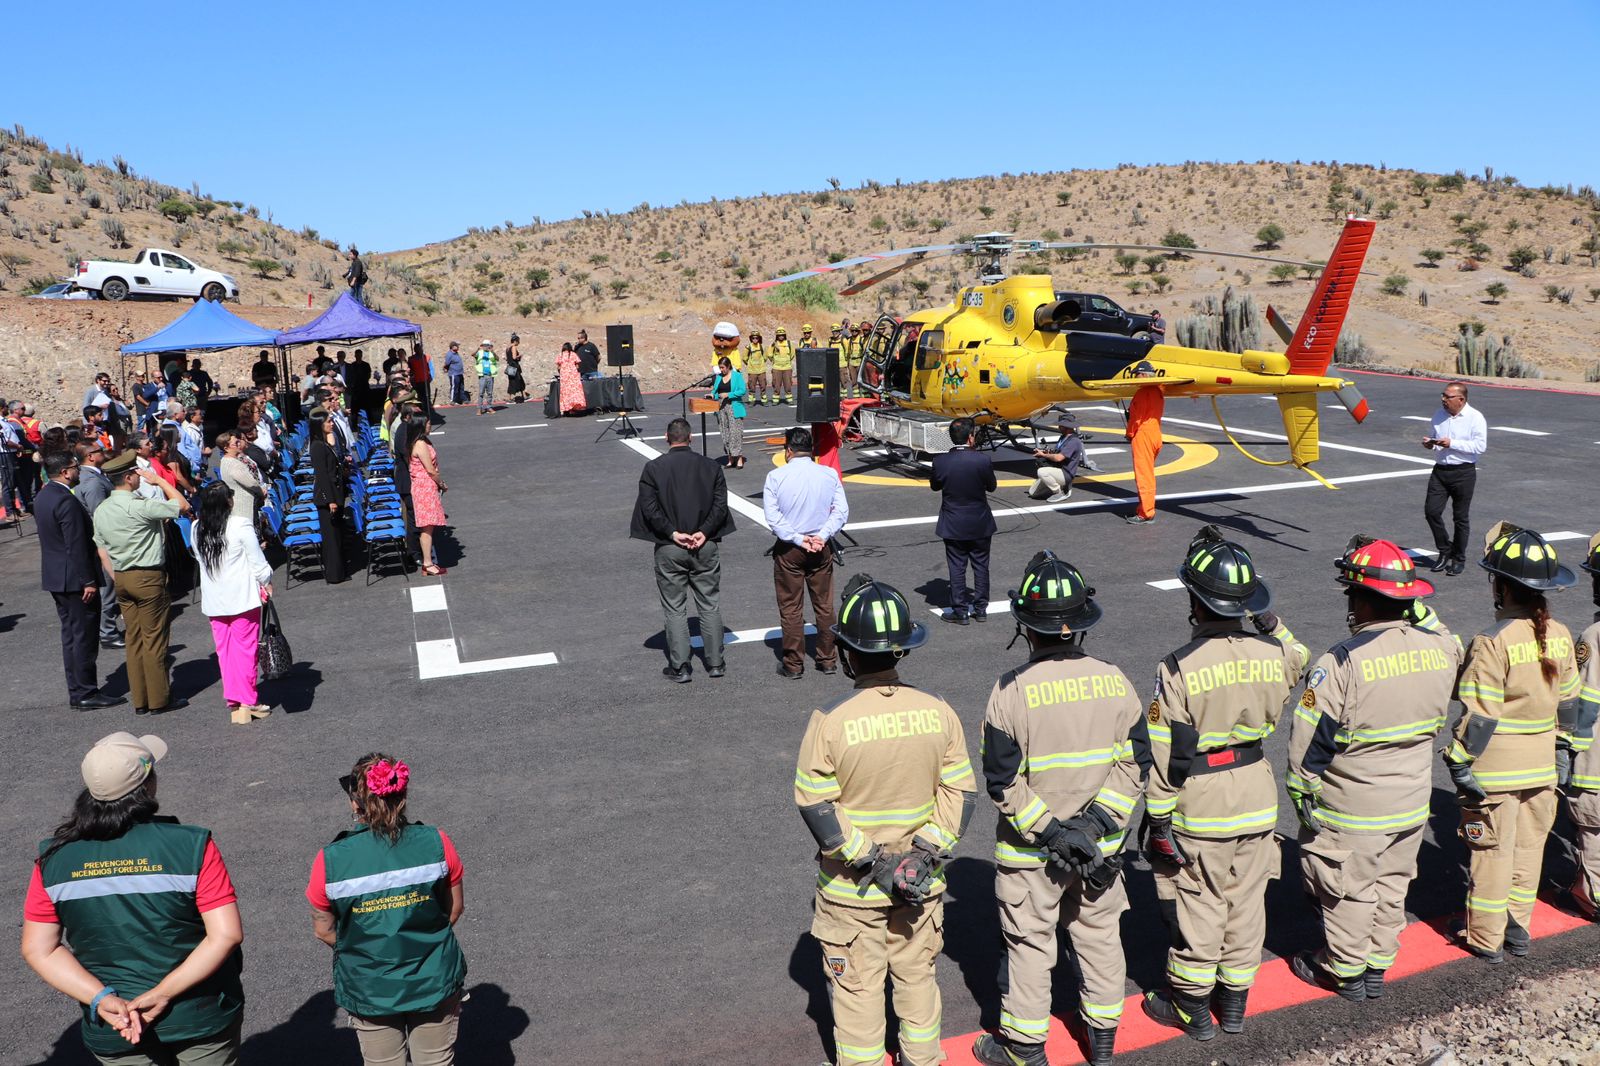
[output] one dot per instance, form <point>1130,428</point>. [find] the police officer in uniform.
<point>1360,766</point>
<point>884,784</point>
<point>1583,786</point>
<point>1212,802</point>
<point>1519,684</point>
<point>1058,759</point>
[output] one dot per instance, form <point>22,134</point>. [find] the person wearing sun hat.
<point>488,366</point>
<point>386,896</point>
<point>150,913</point>
<point>725,345</point>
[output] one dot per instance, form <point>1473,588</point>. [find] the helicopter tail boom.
<point>1311,348</point>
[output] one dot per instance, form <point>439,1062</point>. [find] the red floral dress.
<point>425,503</point>
<point>571,384</point>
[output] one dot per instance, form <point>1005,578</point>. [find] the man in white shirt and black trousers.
<point>1459,437</point>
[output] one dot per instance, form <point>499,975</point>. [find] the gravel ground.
<point>1549,1021</point>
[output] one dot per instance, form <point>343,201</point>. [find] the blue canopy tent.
<point>208,326</point>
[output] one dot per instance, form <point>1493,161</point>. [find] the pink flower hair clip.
<point>385,778</point>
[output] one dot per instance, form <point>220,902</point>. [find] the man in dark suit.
<point>93,489</point>
<point>70,572</point>
<point>965,477</point>
<point>683,509</point>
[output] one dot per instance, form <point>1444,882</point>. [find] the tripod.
<point>622,425</point>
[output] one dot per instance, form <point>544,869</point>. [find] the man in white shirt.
<point>804,505</point>
<point>1459,437</point>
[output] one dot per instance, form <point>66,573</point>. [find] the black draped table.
<point>599,394</point>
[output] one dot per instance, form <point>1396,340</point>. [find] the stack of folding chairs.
<point>375,503</point>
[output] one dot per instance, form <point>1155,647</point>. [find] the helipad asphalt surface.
<point>638,884</point>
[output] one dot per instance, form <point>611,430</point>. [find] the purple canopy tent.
<point>347,322</point>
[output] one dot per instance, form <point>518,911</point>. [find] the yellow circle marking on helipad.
<point>1193,454</point>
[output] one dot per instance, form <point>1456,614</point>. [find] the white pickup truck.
<point>153,272</point>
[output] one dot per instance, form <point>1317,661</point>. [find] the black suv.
<point>1101,314</point>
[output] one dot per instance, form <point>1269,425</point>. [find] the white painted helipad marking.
<point>749,636</point>
<point>994,607</point>
<point>530,425</point>
<point>1524,432</point>
<point>441,658</point>
<point>617,417</point>
<point>696,433</point>
<point>1170,584</point>
<point>1326,444</point>
<point>1127,501</point>
<point>1416,418</point>
<point>738,503</point>
<point>427,598</point>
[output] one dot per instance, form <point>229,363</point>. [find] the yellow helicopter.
<point>1005,350</point>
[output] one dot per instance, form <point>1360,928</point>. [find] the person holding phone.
<point>1459,436</point>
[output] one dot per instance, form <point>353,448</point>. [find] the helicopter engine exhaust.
<point>1056,316</point>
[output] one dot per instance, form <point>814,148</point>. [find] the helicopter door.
<point>930,356</point>
<point>880,346</point>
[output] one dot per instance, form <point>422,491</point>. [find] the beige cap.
<point>119,763</point>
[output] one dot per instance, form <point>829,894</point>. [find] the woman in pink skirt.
<point>426,487</point>
<point>234,582</point>
<point>572,398</point>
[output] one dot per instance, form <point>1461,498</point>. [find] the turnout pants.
<point>79,645</point>
<point>1583,807</point>
<point>1359,881</point>
<point>1220,905</point>
<point>678,572</point>
<point>796,572</point>
<point>957,554</point>
<point>147,612</point>
<point>1033,903</point>
<point>861,948</point>
<point>1146,446</point>
<point>1453,483</point>
<point>1505,837</point>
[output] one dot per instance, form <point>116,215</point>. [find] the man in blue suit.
<point>70,571</point>
<point>966,478</point>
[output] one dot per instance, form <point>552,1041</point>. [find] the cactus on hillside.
<point>1480,355</point>
<point>1229,325</point>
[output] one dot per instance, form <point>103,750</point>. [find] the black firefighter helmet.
<point>1221,576</point>
<point>1591,562</point>
<point>874,618</point>
<point>1054,598</point>
<point>1524,557</point>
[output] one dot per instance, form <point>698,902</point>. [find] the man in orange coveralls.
<point>1144,430</point>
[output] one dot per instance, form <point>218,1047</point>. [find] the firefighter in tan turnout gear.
<point>1058,759</point>
<point>1361,762</point>
<point>884,784</point>
<point>1212,802</point>
<point>1583,787</point>
<point>1519,696</point>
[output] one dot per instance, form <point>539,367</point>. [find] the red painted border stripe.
<point>1423,946</point>
<point>1473,383</point>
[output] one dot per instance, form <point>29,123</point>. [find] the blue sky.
<point>400,123</point>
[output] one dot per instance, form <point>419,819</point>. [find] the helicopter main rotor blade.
<point>867,283</point>
<point>860,260</point>
<point>1039,246</point>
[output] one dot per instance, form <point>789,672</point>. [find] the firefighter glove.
<point>1266,622</point>
<point>914,873</point>
<point>1563,765</point>
<point>1465,780</point>
<point>1160,845</point>
<point>1070,842</point>
<point>1305,808</point>
<point>877,867</point>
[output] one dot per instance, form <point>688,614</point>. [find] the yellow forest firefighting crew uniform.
<point>1503,759</point>
<point>884,784</point>
<point>1360,768</point>
<point>1212,802</point>
<point>1058,760</point>
<point>1583,789</point>
<point>755,370</point>
<point>782,355</point>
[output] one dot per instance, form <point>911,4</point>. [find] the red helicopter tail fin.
<point>1311,349</point>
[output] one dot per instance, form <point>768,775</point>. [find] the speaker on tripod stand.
<point>619,353</point>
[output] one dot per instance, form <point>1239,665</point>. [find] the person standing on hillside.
<point>588,356</point>
<point>1459,435</point>
<point>356,277</point>
<point>1144,433</point>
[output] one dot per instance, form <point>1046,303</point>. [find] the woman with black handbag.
<point>516,383</point>
<point>235,580</point>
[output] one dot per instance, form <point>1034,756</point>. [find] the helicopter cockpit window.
<point>930,349</point>
<point>898,374</point>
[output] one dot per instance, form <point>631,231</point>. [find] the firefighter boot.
<point>1191,1014</point>
<point>998,1051</point>
<point>1373,980</point>
<point>1228,1004</point>
<point>1306,967</point>
<point>1102,1045</point>
<point>1517,939</point>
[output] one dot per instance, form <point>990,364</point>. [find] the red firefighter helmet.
<point>1381,566</point>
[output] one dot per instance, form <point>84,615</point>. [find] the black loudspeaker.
<point>817,387</point>
<point>619,345</point>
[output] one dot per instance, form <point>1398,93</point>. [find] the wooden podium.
<point>704,405</point>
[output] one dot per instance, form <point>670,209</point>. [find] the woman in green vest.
<point>386,897</point>
<point>150,912</point>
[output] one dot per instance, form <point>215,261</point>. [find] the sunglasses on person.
<point>347,782</point>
